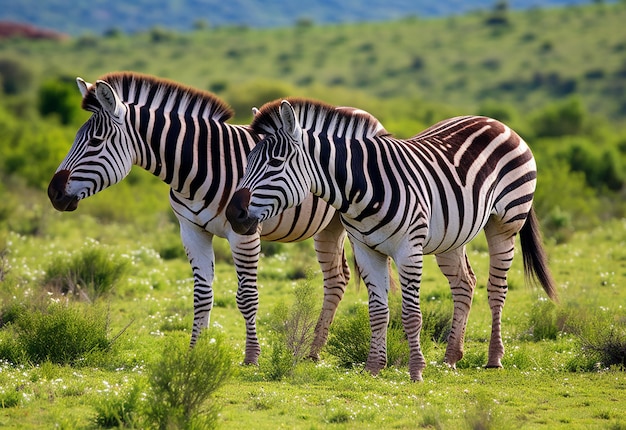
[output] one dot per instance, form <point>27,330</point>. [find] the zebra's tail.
<point>535,259</point>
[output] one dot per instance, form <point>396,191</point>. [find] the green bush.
<point>10,398</point>
<point>543,321</point>
<point>563,118</point>
<point>255,93</point>
<point>11,312</point>
<point>15,76</point>
<point>602,341</point>
<point>59,334</point>
<point>576,205</point>
<point>182,381</point>
<point>281,363</point>
<point>349,337</point>
<point>292,331</point>
<point>602,167</point>
<point>119,409</point>
<point>436,321</point>
<point>87,274</point>
<point>59,97</point>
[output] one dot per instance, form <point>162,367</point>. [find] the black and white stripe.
<point>181,136</point>
<point>430,194</point>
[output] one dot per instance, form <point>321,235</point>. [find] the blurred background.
<point>553,70</point>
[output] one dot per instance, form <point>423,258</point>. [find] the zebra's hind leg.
<point>373,269</point>
<point>501,243</point>
<point>456,267</point>
<point>332,259</point>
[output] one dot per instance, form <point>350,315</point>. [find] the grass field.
<point>541,386</point>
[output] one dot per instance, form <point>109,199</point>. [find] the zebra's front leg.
<point>198,244</point>
<point>456,267</point>
<point>374,271</point>
<point>245,252</point>
<point>332,260</point>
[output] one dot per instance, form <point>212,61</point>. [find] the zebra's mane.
<point>140,89</point>
<point>315,115</point>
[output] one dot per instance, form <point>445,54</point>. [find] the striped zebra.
<point>179,134</point>
<point>430,194</point>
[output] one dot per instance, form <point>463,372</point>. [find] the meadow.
<point>552,377</point>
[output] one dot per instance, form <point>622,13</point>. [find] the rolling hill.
<point>99,16</point>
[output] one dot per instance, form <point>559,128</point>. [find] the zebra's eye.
<point>275,162</point>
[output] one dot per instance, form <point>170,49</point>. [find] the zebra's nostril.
<point>237,210</point>
<point>241,214</point>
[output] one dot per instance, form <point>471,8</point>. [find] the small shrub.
<point>397,347</point>
<point>472,360</point>
<point>5,267</point>
<point>482,416</point>
<point>431,419</point>
<point>543,321</point>
<point>349,338</point>
<point>602,341</point>
<point>518,357</point>
<point>397,344</point>
<point>11,312</point>
<point>88,274</point>
<point>292,331</point>
<point>182,381</point>
<point>10,398</point>
<point>270,249</point>
<point>119,409</point>
<point>436,321</point>
<point>59,97</point>
<point>15,76</point>
<point>10,349</point>
<point>338,414</point>
<point>281,362</point>
<point>60,334</point>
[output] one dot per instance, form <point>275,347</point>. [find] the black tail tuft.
<point>535,259</point>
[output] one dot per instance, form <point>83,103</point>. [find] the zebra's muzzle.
<point>237,213</point>
<point>57,195</point>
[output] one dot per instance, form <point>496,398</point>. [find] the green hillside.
<point>523,59</point>
<point>99,16</point>
<point>555,75</point>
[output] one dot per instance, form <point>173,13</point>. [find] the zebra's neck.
<point>332,179</point>
<point>197,157</point>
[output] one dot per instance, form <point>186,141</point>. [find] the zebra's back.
<point>466,169</point>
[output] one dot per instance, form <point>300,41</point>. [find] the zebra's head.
<point>100,155</point>
<point>277,175</point>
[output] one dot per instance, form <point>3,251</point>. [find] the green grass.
<point>537,388</point>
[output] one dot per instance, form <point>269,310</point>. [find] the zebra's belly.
<point>445,237</point>
<point>394,239</point>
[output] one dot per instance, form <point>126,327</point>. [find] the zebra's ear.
<point>109,99</point>
<point>289,120</point>
<point>255,111</point>
<point>83,86</point>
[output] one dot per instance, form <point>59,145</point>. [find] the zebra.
<point>179,134</point>
<point>430,194</point>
